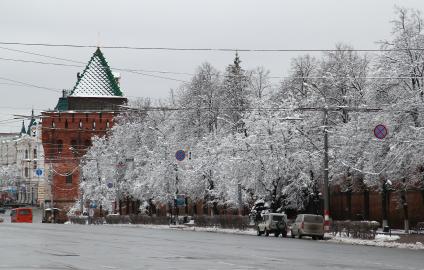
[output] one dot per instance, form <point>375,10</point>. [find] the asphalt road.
<point>57,246</point>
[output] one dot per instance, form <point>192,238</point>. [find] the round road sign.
<point>180,155</point>
<point>380,131</point>
<point>39,172</point>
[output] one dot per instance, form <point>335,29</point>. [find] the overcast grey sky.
<point>283,24</point>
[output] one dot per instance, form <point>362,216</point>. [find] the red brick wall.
<point>65,142</point>
<point>395,211</point>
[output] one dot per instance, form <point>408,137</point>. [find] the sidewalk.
<point>396,240</point>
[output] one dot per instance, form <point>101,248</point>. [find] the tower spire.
<point>23,131</point>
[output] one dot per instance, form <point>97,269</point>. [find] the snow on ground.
<point>380,240</point>
<point>188,228</point>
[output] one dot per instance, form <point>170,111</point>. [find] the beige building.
<point>25,152</point>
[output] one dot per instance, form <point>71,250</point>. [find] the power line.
<point>31,85</point>
<point>203,49</point>
<point>143,72</point>
<point>84,63</point>
<point>134,71</point>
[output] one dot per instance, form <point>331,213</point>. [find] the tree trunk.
<point>384,207</point>
<point>405,211</point>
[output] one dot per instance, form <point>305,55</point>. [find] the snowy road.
<point>55,246</point>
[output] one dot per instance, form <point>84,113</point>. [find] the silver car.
<point>308,225</point>
<point>275,223</point>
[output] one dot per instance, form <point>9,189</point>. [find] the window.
<point>86,117</point>
<point>68,179</point>
<point>94,125</point>
<point>24,212</point>
<point>26,154</point>
<point>53,124</point>
<point>35,165</point>
<point>107,124</point>
<point>35,153</point>
<point>26,172</point>
<point>278,218</point>
<point>66,123</point>
<point>314,219</point>
<point>73,117</point>
<point>80,124</point>
<point>59,146</point>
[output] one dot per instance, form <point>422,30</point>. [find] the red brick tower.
<point>85,111</point>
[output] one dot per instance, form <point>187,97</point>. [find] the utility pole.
<point>326,188</point>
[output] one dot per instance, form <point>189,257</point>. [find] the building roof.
<point>96,80</point>
<point>31,123</point>
<point>62,104</point>
<point>23,131</point>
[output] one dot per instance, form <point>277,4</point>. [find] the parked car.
<point>50,215</point>
<point>21,215</point>
<point>2,210</point>
<point>275,223</point>
<point>308,225</point>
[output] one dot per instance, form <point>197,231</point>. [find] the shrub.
<point>356,229</point>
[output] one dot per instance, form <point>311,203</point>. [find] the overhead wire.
<point>127,47</point>
<point>143,71</point>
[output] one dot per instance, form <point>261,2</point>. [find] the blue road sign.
<point>180,200</point>
<point>110,185</point>
<point>380,131</point>
<point>39,172</point>
<point>180,155</point>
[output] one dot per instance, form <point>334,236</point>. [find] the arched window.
<point>26,154</point>
<point>107,124</point>
<point>66,123</point>
<point>80,124</point>
<point>59,146</point>
<point>26,172</point>
<point>53,124</point>
<point>68,179</point>
<point>94,125</point>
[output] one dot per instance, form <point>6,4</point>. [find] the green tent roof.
<point>96,80</point>
<point>62,104</point>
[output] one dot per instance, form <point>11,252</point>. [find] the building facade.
<point>86,111</point>
<point>22,164</point>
